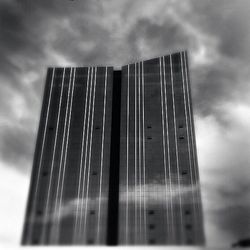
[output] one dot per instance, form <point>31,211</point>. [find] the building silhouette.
<point>115,160</point>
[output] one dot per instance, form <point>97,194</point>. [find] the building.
<point>115,160</point>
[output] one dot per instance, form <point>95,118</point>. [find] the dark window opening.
<point>97,128</point>
<point>35,241</point>
<point>90,241</point>
<point>151,241</point>
<point>149,138</point>
<point>149,126</point>
<point>187,212</point>
<point>151,226</point>
<point>188,226</point>
<point>181,137</point>
<point>51,128</point>
<point>151,212</point>
<point>39,212</point>
<point>45,173</point>
<point>184,172</point>
<point>181,126</point>
<point>94,173</point>
<point>92,212</point>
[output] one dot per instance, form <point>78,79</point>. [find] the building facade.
<point>115,160</point>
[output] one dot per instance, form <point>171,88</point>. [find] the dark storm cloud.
<point>231,213</point>
<point>228,21</point>
<point>28,25</point>
<point>17,147</point>
<point>235,217</point>
<point>18,35</point>
<point>224,169</point>
<point>214,85</point>
<point>22,49</point>
<point>90,50</point>
<point>25,44</point>
<point>158,36</point>
<point>226,79</point>
<point>222,30</point>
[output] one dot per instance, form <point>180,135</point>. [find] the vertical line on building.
<point>45,218</point>
<point>55,217</point>
<point>113,198</point>
<point>102,151</point>
<point>76,223</point>
<point>135,186</point>
<point>190,121</point>
<point>127,163</point>
<point>194,152</point>
<point>85,160</point>
<point>177,157</point>
<point>66,153</point>
<point>172,236</point>
<point>164,146</point>
<point>143,148</point>
<point>30,227</point>
<point>193,187</point>
<point>90,156</point>
<point>139,140</point>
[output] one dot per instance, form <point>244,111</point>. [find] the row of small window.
<point>149,127</point>
<point>180,126</point>
<point>151,226</point>
<point>97,127</point>
<point>181,137</point>
<point>91,241</point>
<point>152,212</point>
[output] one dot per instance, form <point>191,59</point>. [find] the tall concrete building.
<point>159,200</point>
<point>115,160</point>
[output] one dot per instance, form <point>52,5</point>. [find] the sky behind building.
<point>38,34</point>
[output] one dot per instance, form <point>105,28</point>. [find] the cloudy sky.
<point>35,34</point>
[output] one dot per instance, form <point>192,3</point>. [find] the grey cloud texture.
<point>42,33</point>
<point>224,168</point>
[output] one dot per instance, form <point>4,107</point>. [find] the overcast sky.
<point>35,34</point>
